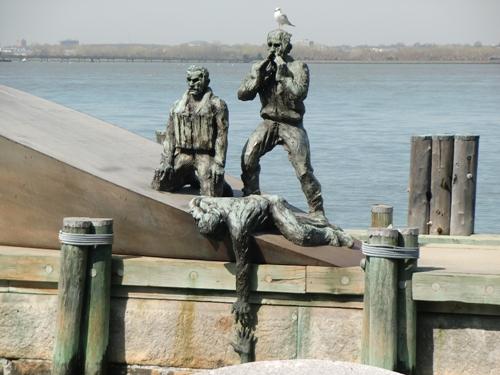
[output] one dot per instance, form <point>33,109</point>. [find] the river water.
<point>359,118</point>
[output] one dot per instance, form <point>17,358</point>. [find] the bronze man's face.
<point>275,46</point>
<point>197,83</point>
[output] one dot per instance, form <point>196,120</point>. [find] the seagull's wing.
<point>285,21</point>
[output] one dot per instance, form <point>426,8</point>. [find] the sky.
<point>331,22</point>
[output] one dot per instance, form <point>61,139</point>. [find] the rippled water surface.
<point>360,118</point>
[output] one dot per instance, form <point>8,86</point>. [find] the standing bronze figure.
<point>195,146</point>
<point>282,84</point>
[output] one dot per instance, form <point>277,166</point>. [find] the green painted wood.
<point>407,308</point>
<point>381,216</point>
<point>382,302</point>
<point>27,267</point>
<point>457,287</point>
<point>98,300</point>
<point>335,280</point>
<point>66,359</point>
<point>365,333</point>
<point>43,266</point>
<point>176,273</point>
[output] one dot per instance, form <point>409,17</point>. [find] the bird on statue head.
<point>281,18</point>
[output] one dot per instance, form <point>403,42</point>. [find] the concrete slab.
<point>299,367</point>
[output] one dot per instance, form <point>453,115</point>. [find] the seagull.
<point>281,18</point>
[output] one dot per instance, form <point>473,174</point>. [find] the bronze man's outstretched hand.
<point>244,344</point>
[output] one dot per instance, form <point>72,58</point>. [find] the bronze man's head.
<point>278,42</point>
<point>198,80</point>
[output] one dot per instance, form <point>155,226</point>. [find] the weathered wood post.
<point>441,173</point>
<point>463,193</point>
<point>66,359</point>
<point>98,297</point>
<point>407,310</point>
<point>381,304</point>
<point>419,183</point>
<point>381,216</point>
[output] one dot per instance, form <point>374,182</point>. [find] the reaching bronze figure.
<point>242,217</point>
<point>282,84</point>
<point>195,146</point>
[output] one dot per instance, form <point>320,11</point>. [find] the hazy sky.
<point>332,22</point>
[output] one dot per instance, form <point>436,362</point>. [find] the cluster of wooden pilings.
<point>389,337</point>
<point>84,289</point>
<point>442,184</point>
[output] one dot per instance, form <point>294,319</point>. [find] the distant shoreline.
<point>187,61</point>
<point>246,53</point>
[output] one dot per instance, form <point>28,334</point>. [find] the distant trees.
<point>204,51</point>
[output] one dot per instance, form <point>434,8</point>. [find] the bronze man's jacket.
<point>282,98</point>
<point>202,129</point>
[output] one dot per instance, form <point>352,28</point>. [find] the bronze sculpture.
<point>282,84</point>
<point>244,216</point>
<point>195,146</point>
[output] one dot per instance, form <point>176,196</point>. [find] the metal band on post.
<point>392,252</point>
<point>77,239</point>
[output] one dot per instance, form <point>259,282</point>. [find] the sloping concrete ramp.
<point>57,162</point>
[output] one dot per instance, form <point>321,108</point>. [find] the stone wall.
<point>167,336</point>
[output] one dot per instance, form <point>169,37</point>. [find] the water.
<point>360,118</point>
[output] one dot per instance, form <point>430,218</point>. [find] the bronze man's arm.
<point>253,82</point>
<point>167,156</point>
<point>222,119</point>
<point>293,78</point>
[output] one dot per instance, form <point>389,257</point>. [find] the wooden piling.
<point>419,183</point>
<point>97,307</point>
<point>382,303</point>
<point>407,310</point>
<point>66,359</point>
<point>463,195</point>
<point>441,173</point>
<point>365,333</point>
<point>381,216</point>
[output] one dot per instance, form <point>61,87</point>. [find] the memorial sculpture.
<point>195,146</point>
<point>282,84</point>
<point>194,152</point>
<point>244,216</point>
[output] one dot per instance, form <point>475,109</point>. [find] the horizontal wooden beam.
<point>29,266</point>
<point>38,265</point>
<point>335,280</point>
<point>42,266</point>
<point>456,287</point>
<point>192,274</point>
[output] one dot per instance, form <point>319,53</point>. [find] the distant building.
<point>24,44</point>
<point>69,43</point>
